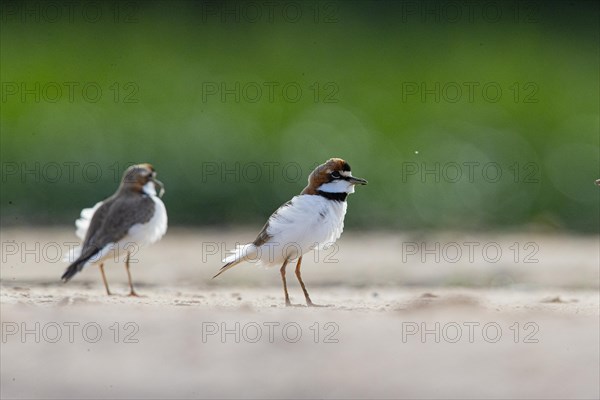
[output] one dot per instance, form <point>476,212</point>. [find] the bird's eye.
<point>335,174</point>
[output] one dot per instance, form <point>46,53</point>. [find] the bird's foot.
<point>311,304</point>
<point>289,304</point>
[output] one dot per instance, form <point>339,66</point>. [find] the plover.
<point>312,220</point>
<point>131,218</point>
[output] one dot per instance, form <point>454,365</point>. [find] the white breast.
<point>307,223</point>
<point>151,231</point>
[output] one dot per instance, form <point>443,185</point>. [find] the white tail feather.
<point>241,253</point>
<point>82,225</point>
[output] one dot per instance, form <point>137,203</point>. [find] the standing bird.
<point>132,217</point>
<point>312,220</point>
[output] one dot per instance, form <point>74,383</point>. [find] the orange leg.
<point>131,291</point>
<point>287,296</point>
<point>309,302</point>
<point>299,276</point>
<point>104,279</point>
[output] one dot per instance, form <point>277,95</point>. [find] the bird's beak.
<point>160,188</point>
<point>357,181</point>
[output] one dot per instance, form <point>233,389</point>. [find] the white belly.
<point>310,222</point>
<point>153,230</point>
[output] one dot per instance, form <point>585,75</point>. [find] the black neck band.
<point>333,196</point>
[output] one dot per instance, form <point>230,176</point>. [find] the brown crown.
<point>322,174</point>
<point>136,176</point>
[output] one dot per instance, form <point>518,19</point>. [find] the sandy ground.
<point>398,325</point>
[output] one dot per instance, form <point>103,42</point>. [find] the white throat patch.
<point>150,189</point>
<point>337,186</point>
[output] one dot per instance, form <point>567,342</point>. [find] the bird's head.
<point>141,178</point>
<point>334,176</point>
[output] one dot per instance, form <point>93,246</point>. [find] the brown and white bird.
<point>133,217</point>
<point>312,220</point>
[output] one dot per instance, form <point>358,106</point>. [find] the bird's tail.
<point>241,253</point>
<point>226,267</point>
<point>77,266</point>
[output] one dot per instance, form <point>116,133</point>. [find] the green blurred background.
<point>384,85</point>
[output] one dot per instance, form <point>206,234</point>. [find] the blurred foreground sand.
<point>501,329</point>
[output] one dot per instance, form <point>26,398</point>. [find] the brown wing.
<point>263,237</point>
<point>97,220</point>
<point>114,218</point>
